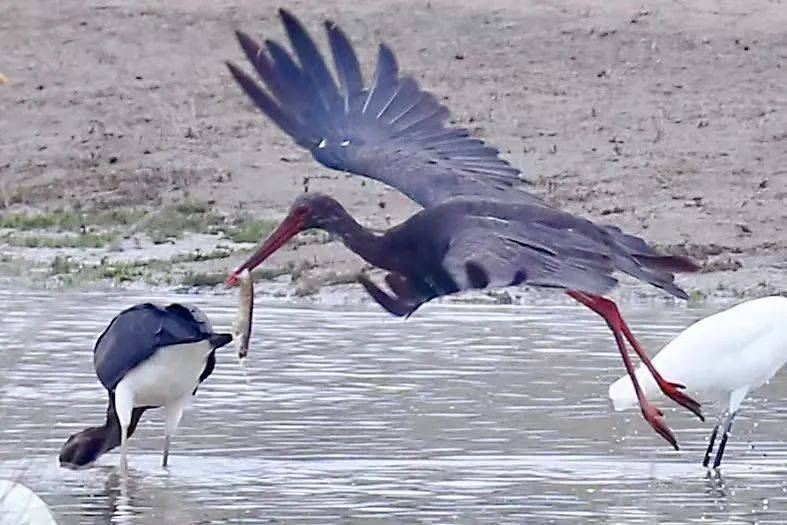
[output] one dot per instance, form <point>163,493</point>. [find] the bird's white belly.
<point>169,375</point>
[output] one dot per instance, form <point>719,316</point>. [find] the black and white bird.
<point>149,356</point>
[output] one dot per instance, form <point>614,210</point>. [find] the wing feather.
<point>137,333</point>
<point>312,63</point>
<point>512,243</point>
<point>346,63</point>
<point>384,81</point>
<point>516,258</point>
<point>391,131</point>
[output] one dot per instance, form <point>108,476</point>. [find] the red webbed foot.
<point>655,417</point>
<point>675,392</point>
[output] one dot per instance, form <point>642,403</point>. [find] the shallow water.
<point>462,414</point>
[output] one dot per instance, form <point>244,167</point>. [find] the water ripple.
<point>462,414</point>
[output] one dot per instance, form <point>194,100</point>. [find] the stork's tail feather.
<point>638,259</point>
<point>219,340</point>
<point>667,263</point>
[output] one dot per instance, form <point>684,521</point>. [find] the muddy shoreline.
<point>667,122</point>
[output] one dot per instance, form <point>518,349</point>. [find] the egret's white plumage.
<point>742,347</point>
<point>724,356</point>
<point>20,506</point>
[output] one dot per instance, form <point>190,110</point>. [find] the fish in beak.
<point>289,228</point>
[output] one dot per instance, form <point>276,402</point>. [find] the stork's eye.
<point>302,210</point>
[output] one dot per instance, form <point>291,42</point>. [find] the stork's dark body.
<point>466,243</point>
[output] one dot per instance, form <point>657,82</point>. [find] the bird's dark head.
<point>310,210</point>
<point>82,449</point>
<point>316,210</point>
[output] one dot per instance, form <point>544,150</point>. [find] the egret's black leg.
<point>165,456</point>
<point>711,442</point>
<point>720,452</point>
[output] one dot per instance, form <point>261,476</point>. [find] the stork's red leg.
<point>670,389</point>
<point>651,413</point>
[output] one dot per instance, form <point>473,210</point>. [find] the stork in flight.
<point>478,229</point>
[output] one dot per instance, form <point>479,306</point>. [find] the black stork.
<point>477,230</point>
<point>149,356</point>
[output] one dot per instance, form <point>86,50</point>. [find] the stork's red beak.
<point>288,229</point>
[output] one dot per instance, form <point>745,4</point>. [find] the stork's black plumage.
<point>478,229</point>
<point>390,130</point>
<point>488,244</point>
<point>137,333</point>
<point>132,339</point>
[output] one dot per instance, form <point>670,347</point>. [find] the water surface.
<point>462,414</point>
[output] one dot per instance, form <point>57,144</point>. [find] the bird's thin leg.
<point>651,413</point>
<point>124,408</point>
<point>173,414</point>
<point>670,389</point>
<point>723,444</point>
<point>165,456</point>
<point>123,449</point>
<point>711,442</point>
<point>397,306</point>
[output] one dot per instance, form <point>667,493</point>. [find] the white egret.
<point>726,355</point>
<point>21,506</point>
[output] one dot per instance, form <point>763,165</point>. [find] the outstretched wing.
<point>547,247</point>
<point>390,131</point>
<point>489,252</point>
<point>137,333</point>
<point>492,254</point>
<point>467,244</point>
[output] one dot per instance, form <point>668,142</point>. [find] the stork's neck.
<point>357,238</point>
<point>85,447</point>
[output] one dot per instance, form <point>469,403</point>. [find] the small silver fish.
<point>241,328</point>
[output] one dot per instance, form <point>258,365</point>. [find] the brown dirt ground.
<point>667,118</point>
